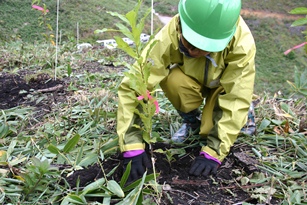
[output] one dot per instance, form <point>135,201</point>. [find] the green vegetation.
<point>81,131</point>
<point>79,19</point>
<point>75,17</point>
<point>273,68</point>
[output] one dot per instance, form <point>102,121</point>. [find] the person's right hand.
<point>139,164</point>
<point>203,166</point>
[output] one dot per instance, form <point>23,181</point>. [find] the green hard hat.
<point>209,24</point>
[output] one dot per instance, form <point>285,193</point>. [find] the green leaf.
<point>111,144</point>
<point>264,124</point>
<point>13,181</point>
<point>125,176</point>
<point>133,197</point>
<point>11,148</point>
<point>303,80</point>
<point>69,69</point>
<point>106,200</point>
<point>85,128</point>
<point>125,47</point>
<point>36,162</point>
<point>4,130</point>
<point>303,92</point>
<point>3,156</point>
<point>120,16</point>
<point>17,160</point>
<point>53,149</point>
<point>97,193</point>
<point>80,154</point>
<point>148,178</point>
<point>94,185</point>
<point>125,30</point>
<point>114,187</point>
<point>131,17</point>
<point>49,27</point>
<point>295,198</point>
<point>28,179</point>
<point>299,22</point>
<point>277,122</point>
<point>43,166</point>
<point>146,137</point>
<point>299,10</point>
<point>90,159</point>
<point>76,199</point>
<point>71,143</point>
<point>244,180</point>
<point>146,71</point>
<point>300,83</point>
<point>297,80</point>
<point>286,108</point>
<point>112,171</point>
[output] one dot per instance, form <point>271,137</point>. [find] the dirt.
<point>267,14</point>
<point>179,186</point>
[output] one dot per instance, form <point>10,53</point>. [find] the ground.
<point>20,89</point>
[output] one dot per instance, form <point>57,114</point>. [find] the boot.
<point>250,126</point>
<point>190,124</point>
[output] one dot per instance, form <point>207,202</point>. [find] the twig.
<point>243,187</point>
<point>190,182</point>
<point>175,190</point>
<point>49,89</point>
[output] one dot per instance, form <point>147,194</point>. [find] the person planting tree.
<point>205,53</point>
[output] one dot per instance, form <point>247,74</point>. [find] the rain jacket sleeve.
<point>130,138</point>
<point>237,81</point>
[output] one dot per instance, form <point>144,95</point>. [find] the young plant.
<point>300,83</point>
<point>37,178</point>
<point>170,153</point>
<point>300,79</point>
<point>44,21</point>
<point>138,72</point>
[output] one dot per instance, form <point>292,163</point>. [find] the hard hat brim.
<point>204,43</point>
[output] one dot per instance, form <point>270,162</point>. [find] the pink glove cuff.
<point>133,153</point>
<point>210,157</point>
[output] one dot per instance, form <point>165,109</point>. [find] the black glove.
<point>203,166</point>
<point>139,164</point>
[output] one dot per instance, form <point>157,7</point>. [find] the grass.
<point>273,36</point>
<point>273,67</point>
<point>90,111</point>
<point>279,6</point>
<point>86,16</point>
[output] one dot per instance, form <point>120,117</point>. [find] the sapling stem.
<point>154,169</point>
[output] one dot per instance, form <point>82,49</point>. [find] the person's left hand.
<point>203,166</point>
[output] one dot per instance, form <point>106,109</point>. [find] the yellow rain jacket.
<point>231,72</point>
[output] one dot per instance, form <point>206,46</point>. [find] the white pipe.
<point>56,39</point>
<point>152,10</point>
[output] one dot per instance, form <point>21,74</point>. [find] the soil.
<point>179,187</point>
